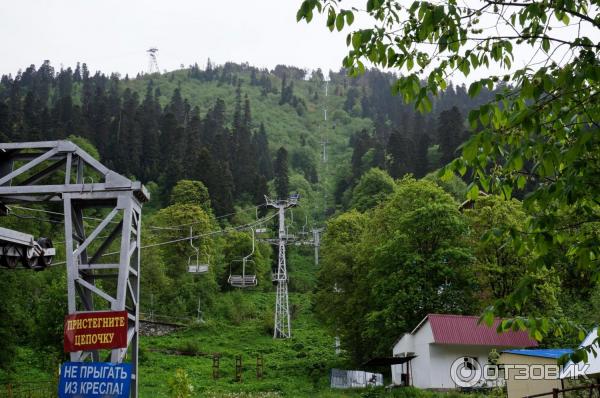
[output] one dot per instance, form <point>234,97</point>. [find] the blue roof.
<point>553,353</point>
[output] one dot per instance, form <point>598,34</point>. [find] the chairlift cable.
<point>187,238</point>
<point>173,227</point>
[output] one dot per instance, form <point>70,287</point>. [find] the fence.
<point>587,391</point>
<point>35,389</point>
<point>354,379</point>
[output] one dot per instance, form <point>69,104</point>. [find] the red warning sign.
<point>95,330</point>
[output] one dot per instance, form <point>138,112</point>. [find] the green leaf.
<point>545,44</point>
<point>356,40</point>
<point>470,150</point>
<point>427,104</point>
<point>473,117</point>
<point>349,17</point>
<point>445,174</point>
<point>361,67</point>
<point>517,162</point>
<point>474,89</point>
<point>488,318</point>
<point>473,192</point>
<point>339,22</point>
<point>331,19</point>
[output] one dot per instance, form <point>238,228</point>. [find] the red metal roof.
<point>464,329</point>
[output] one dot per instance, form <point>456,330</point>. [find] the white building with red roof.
<point>446,344</point>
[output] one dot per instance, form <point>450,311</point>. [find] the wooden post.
<point>259,367</point>
<point>555,392</point>
<point>215,366</point>
<point>238,368</point>
<point>9,390</point>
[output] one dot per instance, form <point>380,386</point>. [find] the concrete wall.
<point>521,388</point>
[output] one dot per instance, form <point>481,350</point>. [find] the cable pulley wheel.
<point>8,261</point>
<point>44,261</point>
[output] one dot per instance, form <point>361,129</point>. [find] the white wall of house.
<point>418,344</point>
<point>442,356</point>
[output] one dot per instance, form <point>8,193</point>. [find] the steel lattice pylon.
<point>60,171</point>
<point>282,326</point>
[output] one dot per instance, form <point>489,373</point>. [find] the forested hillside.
<point>210,143</point>
<point>222,125</point>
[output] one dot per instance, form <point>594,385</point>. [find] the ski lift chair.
<point>244,280</point>
<point>304,232</point>
<point>194,265</point>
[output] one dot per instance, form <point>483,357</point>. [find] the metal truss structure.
<point>103,257</point>
<point>282,326</point>
<point>153,60</point>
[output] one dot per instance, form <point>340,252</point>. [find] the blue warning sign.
<point>94,380</point>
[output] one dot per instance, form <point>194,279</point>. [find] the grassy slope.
<point>292,368</point>
<point>241,324</point>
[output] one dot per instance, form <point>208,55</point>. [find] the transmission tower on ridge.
<point>324,141</point>
<point>282,326</point>
<point>152,60</point>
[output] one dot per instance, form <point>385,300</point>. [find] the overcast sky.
<point>113,35</point>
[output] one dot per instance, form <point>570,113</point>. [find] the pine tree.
<point>421,161</point>
<point>221,183</point>
<point>261,145</point>
<point>450,133</point>
<point>280,170</point>
<point>283,98</point>
<point>63,108</point>
<point>261,189</point>
<point>177,106</point>
<point>420,137</point>
<point>245,165</point>
<point>150,135</point>
<point>193,140</point>
<point>360,142</point>
<point>399,154</point>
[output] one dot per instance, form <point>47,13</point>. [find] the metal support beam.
<point>23,168</point>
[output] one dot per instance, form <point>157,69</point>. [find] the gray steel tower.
<point>282,326</point>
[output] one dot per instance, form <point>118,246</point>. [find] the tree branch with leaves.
<point>539,136</point>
